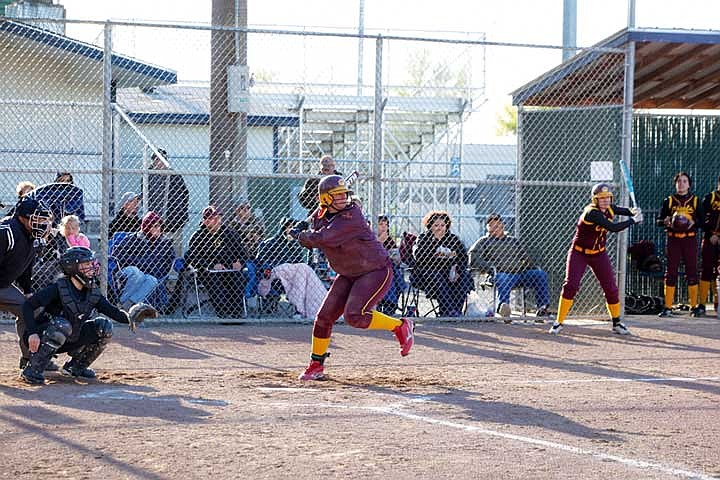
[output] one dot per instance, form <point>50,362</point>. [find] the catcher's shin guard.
<point>83,357</point>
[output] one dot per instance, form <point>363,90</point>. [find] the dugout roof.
<point>674,69</point>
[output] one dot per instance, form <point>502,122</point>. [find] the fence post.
<point>376,203</point>
<point>106,155</point>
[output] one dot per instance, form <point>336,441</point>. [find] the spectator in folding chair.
<point>441,264</point>
<point>217,254</point>
<point>512,267</point>
<point>389,303</point>
<point>62,197</point>
<point>249,227</point>
<point>280,249</point>
<point>144,258</point>
<point>168,196</point>
<point>126,219</point>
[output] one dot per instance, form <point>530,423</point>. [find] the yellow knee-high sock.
<point>563,308</point>
<point>613,309</point>
<point>319,346</point>
<point>380,321</point>
<point>693,295</point>
<point>669,296</point>
<point>703,292</point>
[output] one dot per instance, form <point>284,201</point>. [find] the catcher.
<point>66,322</point>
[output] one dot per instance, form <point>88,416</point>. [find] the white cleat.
<point>556,328</point>
<point>620,329</point>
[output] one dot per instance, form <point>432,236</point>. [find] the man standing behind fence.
<point>308,196</point>
<point>168,196</point>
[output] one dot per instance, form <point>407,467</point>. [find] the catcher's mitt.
<point>139,312</point>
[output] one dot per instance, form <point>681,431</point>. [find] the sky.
<point>498,70</point>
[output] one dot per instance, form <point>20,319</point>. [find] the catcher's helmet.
<point>601,190</point>
<point>39,215</point>
<point>329,186</point>
<point>70,263</point>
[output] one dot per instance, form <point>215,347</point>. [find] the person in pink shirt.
<point>70,230</point>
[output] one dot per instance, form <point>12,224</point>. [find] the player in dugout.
<point>364,272</point>
<point>588,250</point>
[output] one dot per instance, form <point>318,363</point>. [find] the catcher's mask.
<point>80,263</point>
<point>329,187</point>
<point>39,216</point>
<point>601,190</point>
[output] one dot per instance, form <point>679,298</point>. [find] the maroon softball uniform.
<point>364,272</point>
<point>588,250</point>
<point>681,245</point>
<point>711,226</point>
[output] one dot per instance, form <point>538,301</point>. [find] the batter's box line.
<point>396,410</point>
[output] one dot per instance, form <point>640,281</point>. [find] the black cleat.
<point>51,367</point>
<point>73,370</point>
<point>665,312</point>
<point>32,377</point>
<point>698,311</point>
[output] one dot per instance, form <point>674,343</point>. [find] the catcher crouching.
<point>66,322</point>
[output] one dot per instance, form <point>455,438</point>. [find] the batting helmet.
<point>70,263</point>
<point>329,186</point>
<point>39,215</point>
<point>601,190</point>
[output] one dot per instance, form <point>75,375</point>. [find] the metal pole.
<point>361,32</point>
<point>569,28</point>
<point>375,205</point>
<point>106,155</point>
<point>627,145</point>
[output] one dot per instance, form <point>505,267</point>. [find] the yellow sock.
<point>380,321</point>
<point>613,309</point>
<point>704,290</point>
<point>669,296</point>
<point>693,295</point>
<point>563,308</point>
<point>320,346</point>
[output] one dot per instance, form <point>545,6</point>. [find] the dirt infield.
<point>473,400</point>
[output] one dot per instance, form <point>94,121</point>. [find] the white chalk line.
<point>396,410</point>
<point>619,380</point>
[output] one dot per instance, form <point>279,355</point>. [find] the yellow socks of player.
<point>563,309</point>
<point>319,347</point>
<point>613,309</point>
<point>704,290</point>
<point>669,296</point>
<point>380,321</point>
<point>693,295</point>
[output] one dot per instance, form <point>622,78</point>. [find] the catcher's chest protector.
<point>76,311</point>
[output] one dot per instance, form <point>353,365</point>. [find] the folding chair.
<point>487,281</point>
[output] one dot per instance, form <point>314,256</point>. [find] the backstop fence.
<point>217,130</point>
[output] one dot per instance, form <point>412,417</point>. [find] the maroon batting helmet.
<point>601,190</point>
<point>329,186</point>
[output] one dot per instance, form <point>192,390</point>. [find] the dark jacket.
<point>168,196</point>
<point>308,195</point>
<point>16,254</point>
<point>279,249</point>
<point>153,257</point>
<point>207,249</point>
<point>124,223</point>
<point>426,249</point>
<point>506,254</point>
<point>352,249</point>
<point>62,199</point>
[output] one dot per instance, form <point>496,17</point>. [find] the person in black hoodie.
<point>441,264</point>
<point>308,196</point>
<point>217,253</point>
<point>168,196</point>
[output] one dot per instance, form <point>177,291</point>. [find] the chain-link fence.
<point>189,168</point>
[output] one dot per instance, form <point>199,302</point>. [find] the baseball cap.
<point>241,200</point>
<point>211,211</point>
<point>127,197</point>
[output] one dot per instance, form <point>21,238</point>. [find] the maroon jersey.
<point>593,225</point>
<point>352,249</point>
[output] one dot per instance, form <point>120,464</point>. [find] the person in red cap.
<point>364,272</point>
<point>216,251</point>
<point>144,257</point>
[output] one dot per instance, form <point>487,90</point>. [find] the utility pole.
<point>228,131</point>
<point>569,28</point>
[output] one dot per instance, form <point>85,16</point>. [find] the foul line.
<point>603,380</point>
<point>396,411</point>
